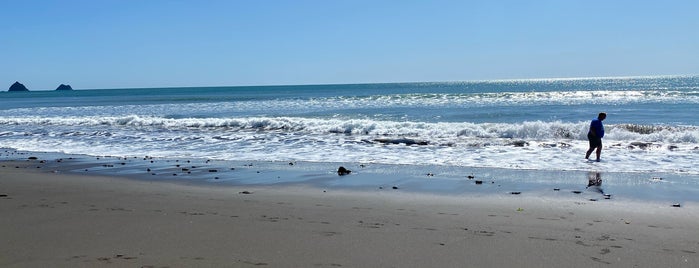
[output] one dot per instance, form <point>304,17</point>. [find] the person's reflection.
<point>594,181</point>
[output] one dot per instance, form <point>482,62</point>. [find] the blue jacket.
<point>598,128</point>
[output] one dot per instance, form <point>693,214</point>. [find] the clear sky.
<point>154,43</point>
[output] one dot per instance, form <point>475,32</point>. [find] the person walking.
<point>595,135</point>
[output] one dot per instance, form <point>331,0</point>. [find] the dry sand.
<point>64,220</point>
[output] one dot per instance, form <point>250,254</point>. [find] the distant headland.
<point>17,86</point>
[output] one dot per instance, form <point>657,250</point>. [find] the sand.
<point>69,220</point>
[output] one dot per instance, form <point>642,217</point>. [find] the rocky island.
<point>17,86</point>
<point>64,87</point>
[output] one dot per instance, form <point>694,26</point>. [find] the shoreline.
<point>64,219</point>
<point>657,188</point>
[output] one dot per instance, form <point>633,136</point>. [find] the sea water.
<point>513,135</point>
<point>540,124</point>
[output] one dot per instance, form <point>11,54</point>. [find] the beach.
<point>443,174</point>
<point>370,134</point>
<point>55,218</point>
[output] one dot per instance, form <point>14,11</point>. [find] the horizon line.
<point>404,82</point>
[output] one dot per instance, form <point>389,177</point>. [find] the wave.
<point>546,145</point>
<point>529,98</point>
<point>442,132</point>
<point>429,100</point>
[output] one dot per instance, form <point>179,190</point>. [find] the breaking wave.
<point>441,131</point>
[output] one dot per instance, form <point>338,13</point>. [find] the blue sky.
<point>152,43</point>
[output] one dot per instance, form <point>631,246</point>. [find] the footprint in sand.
<point>330,233</point>
<point>599,260</point>
<point>445,213</point>
<point>253,263</point>
<point>483,233</point>
<point>372,225</point>
<point>327,265</point>
<point>543,238</point>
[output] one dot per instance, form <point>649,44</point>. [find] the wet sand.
<point>61,219</point>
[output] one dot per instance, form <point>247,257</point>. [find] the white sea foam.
<point>528,145</point>
<point>535,130</point>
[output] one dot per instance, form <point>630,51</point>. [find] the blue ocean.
<point>538,124</point>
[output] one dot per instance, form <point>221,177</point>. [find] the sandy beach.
<point>337,134</point>
<point>58,219</point>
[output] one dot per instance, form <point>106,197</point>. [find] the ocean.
<point>537,124</point>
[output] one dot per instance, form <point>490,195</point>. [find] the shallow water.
<point>661,188</point>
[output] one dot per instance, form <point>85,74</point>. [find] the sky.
<point>154,43</point>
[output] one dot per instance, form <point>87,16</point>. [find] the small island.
<point>17,86</point>
<point>64,87</point>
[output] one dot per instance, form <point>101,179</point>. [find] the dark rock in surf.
<point>401,141</point>
<point>64,87</point>
<point>641,145</point>
<point>17,86</point>
<point>519,143</point>
<point>343,171</point>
